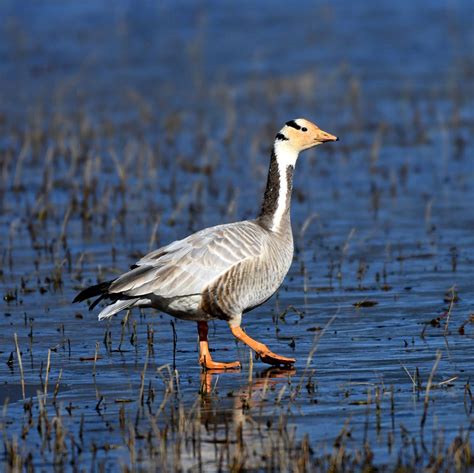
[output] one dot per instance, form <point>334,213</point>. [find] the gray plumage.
<point>226,269</point>
<point>223,271</point>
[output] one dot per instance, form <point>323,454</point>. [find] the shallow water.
<point>124,128</point>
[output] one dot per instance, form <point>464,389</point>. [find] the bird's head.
<point>301,134</point>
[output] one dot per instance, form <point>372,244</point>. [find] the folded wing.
<point>188,266</point>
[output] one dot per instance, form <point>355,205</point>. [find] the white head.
<point>300,134</point>
<point>294,137</point>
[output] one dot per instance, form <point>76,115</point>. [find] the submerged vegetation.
<point>250,429</point>
<point>120,132</point>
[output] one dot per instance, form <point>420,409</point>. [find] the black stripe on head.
<point>281,137</point>
<point>293,124</point>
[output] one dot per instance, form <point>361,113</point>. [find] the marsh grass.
<point>251,430</point>
<point>116,148</point>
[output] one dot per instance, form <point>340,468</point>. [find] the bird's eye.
<point>304,129</point>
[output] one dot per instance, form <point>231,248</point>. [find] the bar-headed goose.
<point>224,271</point>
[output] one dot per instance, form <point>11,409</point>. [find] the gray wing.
<point>188,266</point>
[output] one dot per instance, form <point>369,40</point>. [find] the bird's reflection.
<point>236,404</point>
<point>269,376</point>
<point>238,418</point>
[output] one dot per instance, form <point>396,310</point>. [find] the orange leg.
<point>205,359</point>
<point>263,352</point>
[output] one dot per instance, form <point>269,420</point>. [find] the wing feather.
<point>188,266</point>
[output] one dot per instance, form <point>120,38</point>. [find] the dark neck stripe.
<point>272,192</point>
<point>289,185</point>
<point>270,198</point>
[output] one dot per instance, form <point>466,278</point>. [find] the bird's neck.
<point>275,212</point>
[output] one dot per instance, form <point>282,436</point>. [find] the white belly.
<point>185,307</point>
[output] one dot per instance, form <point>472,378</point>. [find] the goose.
<point>223,271</point>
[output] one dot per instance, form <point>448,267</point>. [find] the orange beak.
<point>323,137</point>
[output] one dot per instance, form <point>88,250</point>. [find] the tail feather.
<point>100,292</point>
<point>93,291</point>
<point>100,298</point>
<point>117,306</point>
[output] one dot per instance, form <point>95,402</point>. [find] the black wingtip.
<point>82,296</point>
<point>100,298</point>
<point>93,291</point>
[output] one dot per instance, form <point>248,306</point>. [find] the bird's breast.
<point>248,283</point>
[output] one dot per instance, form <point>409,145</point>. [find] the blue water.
<point>122,105</point>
